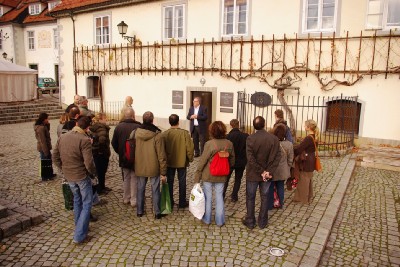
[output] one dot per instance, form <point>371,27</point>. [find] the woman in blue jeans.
<point>283,170</point>
<point>218,142</point>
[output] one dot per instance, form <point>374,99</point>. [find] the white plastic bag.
<point>197,204</point>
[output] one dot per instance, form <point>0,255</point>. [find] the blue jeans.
<point>219,202</point>
<point>182,185</point>
<point>280,189</point>
<point>156,194</point>
<point>83,198</point>
<point>251,190</point>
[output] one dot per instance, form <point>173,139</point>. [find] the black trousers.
<point>238,180</point>
<point>101,163</point>
<point>197,137</point>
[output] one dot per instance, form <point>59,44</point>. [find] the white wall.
<point>45,55</point>
<point>379,96</point>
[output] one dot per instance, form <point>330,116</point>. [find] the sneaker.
<point>86,240</point>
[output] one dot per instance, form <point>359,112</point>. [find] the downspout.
<point>73,53</point>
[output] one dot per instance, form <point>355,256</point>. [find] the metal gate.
<point>337,118</point>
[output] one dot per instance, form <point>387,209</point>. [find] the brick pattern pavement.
<point>122,239</point>
<point>366,232</point>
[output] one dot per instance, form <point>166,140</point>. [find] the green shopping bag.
<point>68,196</point>
<point>165,199</point>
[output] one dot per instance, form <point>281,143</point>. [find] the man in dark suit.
<point>198,125</point>
<point>263,156</point>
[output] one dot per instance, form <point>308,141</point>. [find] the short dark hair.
<point>148,117</point>
<point>84,122</point>
<point>280,131</point>
<point>173,120</point>
<point>217,130</point>
<point>279,113</point>
<point>73,112</point>
<point>259,123</point>
<point>42,117</point>
<point>234,123</point>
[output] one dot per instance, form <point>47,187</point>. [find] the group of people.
<point>266,156</point>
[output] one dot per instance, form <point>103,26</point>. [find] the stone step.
<point>51,117</point>
<point>28,109</point>
<point>26,115</point>
<point>18,218</point>
<point>380,157</point>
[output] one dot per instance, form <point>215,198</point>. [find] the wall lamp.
<point>5,57</point>
<point>122,29</point>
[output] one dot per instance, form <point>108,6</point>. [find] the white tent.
<point>17,83</point>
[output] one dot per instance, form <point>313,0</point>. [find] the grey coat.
<point>286,162</point>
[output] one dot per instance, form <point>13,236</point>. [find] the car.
<point>47,84</point>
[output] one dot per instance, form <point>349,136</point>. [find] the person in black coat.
<point>198,125</point>
<point>238,139</point>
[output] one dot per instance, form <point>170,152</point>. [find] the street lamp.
<point>5,57</point>
<point>122,29</point>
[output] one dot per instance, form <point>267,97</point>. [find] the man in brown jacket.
<point>73,155</point>
<point>180,151</point>
<point>150,162</point>
<point>263,156</point>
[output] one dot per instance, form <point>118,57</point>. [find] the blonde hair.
<point>98,117</point>
<point>64,118</point>
<point>313,127</point>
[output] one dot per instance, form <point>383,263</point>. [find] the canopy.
<point>17,83</point>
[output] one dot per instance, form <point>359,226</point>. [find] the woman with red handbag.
<point>305,163</point>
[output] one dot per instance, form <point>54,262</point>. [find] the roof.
<point>39,18</point>
<point>81,6</point>
<point>10,3</point>
<point>15,15</point>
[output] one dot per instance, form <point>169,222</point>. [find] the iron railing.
<point>337,118</point>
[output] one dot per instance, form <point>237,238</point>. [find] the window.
<point>319,15</point>
<point>174,21</point>
<point>235,17</point>
<point>31,40</point>
<point>55,35</point>
<point>102,30</point>
<point>34,9</point>
<point>53,4</point>
<point>383,14</point>
<point>93,87</point>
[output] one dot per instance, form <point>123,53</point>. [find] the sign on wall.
<point>177,99</point>
<point>226,102</point>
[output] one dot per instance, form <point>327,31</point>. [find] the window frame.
<point>102,35</point>
<point>31,40</point>
<point>35,9</point>
<point>383,23</point>
<point>174,26</point>
<point>53,4</point>
<point>320,18</point>
<point>234,22</point>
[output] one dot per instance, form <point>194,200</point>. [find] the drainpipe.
<point>73,54</point>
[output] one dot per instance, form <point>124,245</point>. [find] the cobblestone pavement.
<point>120,238</point>
<point>366,232</point>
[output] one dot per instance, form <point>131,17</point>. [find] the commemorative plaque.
<point>261,99</point>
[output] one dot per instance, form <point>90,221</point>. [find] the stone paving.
<point>366,232</point>
<point>122,239</point>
